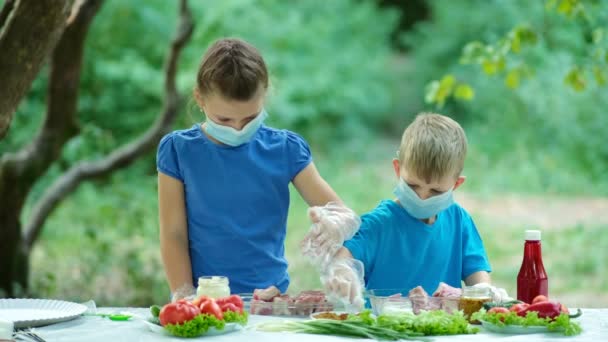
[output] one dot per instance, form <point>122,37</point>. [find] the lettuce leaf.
<point>197,326</point>
<point>235,317</point>
<point>560,323</point>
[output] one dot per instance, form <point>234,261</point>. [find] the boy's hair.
<point>433,147</point>
<point>232,68</point>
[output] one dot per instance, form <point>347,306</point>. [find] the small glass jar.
<point>213,286</point>
<point>472,300</point>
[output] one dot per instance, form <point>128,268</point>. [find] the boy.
<point>422,237</point>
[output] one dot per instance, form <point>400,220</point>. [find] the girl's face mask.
<point>230,136</point>
<point>419,208</point>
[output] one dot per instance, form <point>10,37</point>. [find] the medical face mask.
<point>419,208</point>
<point>231,136</point>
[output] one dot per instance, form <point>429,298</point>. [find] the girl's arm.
<point>478,277</point>
<point>174,232</point>
<point>313,188</point>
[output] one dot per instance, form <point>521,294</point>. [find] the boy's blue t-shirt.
<point>237,200</point>
<point>402,252</point>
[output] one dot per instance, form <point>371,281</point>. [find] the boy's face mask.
<point>230,136</point>
<point>419,208</point>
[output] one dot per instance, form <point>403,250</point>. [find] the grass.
<point>102,242</point>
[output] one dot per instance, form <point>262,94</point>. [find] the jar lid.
<point>212,280</point>
<point>476,292</point>
<point>532,235</point>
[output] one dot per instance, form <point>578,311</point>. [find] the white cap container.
<point>532,235</point>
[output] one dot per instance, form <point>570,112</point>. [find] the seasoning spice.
<point>472,301</point>
<point>331,315</point>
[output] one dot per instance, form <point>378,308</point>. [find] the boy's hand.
<point>343,282</point>
<point>332,224</point>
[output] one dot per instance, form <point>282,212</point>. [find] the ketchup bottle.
<point>532,279</point>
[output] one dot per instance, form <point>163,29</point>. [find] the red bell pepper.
<point>544,309</point>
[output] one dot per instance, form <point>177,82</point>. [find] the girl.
<point>223,185</point>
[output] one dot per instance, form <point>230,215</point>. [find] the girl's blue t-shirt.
<point>401,252</point>
<point>237,200</point>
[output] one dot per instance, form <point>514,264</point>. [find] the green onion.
<point>385,327</point>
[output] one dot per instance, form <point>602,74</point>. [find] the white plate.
<point>37,312</point>
<point>517,329</point>
<point>228,327</point>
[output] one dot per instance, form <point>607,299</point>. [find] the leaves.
<point>575,78</point>
<point>563,321</point>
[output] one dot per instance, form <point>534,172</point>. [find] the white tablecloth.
<point>92,328</point>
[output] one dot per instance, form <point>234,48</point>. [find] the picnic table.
<point>93,328</point>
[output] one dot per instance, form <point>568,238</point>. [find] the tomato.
<point>230,306</point>
<point>178,312</point>
<point>237,301</point>
<point>234,299</point>
<point>519,308</point>
<point>539,299</point>
<point>199,300</point>
<point>498,309</point>
<point>210,307</point>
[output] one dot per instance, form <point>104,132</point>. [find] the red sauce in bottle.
<point>532,279</point>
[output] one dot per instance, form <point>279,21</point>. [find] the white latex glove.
<point>343,282</point>
<point>332,224</point>
<point>498,294</point>
<point>186,291</point>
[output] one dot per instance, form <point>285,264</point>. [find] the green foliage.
<point>498,58</point>
<point>532,138</point>
<point>331,64</point>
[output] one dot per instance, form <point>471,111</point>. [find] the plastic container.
<point>302,305</point>
<point>532,279</point>
<point>213,286</point>
<point>394,301</point>
<point>472,300</point>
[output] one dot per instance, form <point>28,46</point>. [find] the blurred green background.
<point>349,76</point>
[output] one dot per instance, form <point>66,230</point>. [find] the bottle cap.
<point>532,235</point>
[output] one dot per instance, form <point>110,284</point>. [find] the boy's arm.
<point>174,235</point>
<point>478,277</point>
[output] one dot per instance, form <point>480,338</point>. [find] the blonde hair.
<point>433,147</point>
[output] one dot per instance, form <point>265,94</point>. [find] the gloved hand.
<point>332,224</point>
<point>498,294</point>
<point>186,291</point>
<point>343,282</point>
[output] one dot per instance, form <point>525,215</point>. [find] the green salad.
<point>559,323</point>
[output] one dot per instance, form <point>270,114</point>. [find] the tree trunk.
<point>28,32</point>
<point>20,171</point>
<point>14,255</point>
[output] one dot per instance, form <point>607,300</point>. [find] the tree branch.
<point>31,29</point>
<point>19,171</point>
<point>125,155</point>
<point>6,10</point>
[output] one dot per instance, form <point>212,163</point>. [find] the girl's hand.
<point>186,291</point>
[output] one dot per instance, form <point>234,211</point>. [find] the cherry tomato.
<point>539,299</point>
<point>210,307</point>
<point>178,312</point>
